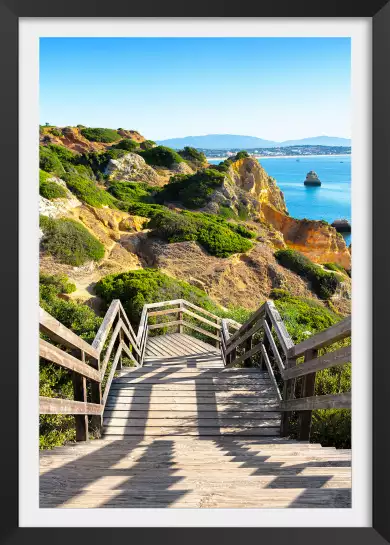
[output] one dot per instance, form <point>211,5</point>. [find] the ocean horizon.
<point>330,201</point>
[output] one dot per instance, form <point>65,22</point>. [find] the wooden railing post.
<point>180,328</point>
<point>96,397</point>
<point>288,393</point>
<point>80,394</point>
<point>308,388</point>
<point>247,347</point>
<point>266,342</point>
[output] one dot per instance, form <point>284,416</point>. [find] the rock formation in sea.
<point>312,179</point>
<point>342,226</point>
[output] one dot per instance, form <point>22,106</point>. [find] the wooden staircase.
<point>193,424</point>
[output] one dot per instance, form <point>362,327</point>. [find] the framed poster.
<point>199,182</point>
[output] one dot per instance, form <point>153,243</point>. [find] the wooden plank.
<point>199,309</point>
<point>126,320</point>
<point>340,356</point>
<point>271,372</point>
<point>154,407</point>
<point>132,340</point>
<point>166,324</point>
<point>175,412</point>
<point>56,355</point>
<point>256,316</point>
<point>200,330</point>
<point>168,386</point>
<point>130,355</point>
<point>106,325</point>
<point>61,334</point>
<point>308,390</point>
<point>112,372</point>
<point>232,345</point>
<point>201,319</point>
<point>142,323</point>
<point>53,405</point>
<point>274,348</point>
<point>331,401</point>
<point>191,422</point>
<point>246,355</point>
<point>165,311</point>
<point>197,432</point>
<point>339,331</point>
<point>281,331</point>
<point>110,347</point>
<point>164,303</point>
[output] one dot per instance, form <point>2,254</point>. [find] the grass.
<point>323,283</point>
<point>69,241</point>
<point>161,156</point>
<point>87,191</point>
<point>100,135</point>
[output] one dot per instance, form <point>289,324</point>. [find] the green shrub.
<point>98,161</point>
<point>323,283</point>
<point>126,144</point>
<point>56,132</point>
<point>140,209</point>
<point>52,190</point>
<point>226,212</point>
<point>139,287</point>
<point>133,191</point>
<point>69,241</point>
<point>147,144</point>
<point>64,154</point>
<point>161,156</point>
<point>100,135</point>
<point>193,190</point>
<point>49,161</point>
<point>193,155</point>
<point>217,236</point>
<point>335,267</point>
<point>241,155</point>
<point>87,191</point>
<point>51,285</point>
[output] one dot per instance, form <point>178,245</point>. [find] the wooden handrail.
<point>339,331</point>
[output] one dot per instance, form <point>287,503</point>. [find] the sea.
<point>330,201</point>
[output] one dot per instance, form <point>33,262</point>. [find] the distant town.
<point>280,152</point>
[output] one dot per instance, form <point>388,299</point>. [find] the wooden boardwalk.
<point>185,431</point>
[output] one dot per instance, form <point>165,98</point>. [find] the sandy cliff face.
<point>317,240</point>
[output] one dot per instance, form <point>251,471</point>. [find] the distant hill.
<point>235,141</point>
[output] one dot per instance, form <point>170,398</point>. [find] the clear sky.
<point>272,88</point>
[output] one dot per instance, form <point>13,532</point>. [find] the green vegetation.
<point>323,283</point>
<point>193,155</point>
<point>88,191</point>
<point>126,144</point>
<point>49,161</point>
<point>65,155</point>
<point>56,132</point>
<point>147,144</point>
<point>335,267</point>
<point>69,241</point>
<point>161,156</point>
<point>133,191</point>
<point>223,166</point>
<point>217,236</point>
<point>193,190</point>
<point>139,287</point>
<point>100,135</point>
<point>303,317</point>
<point>55,430</point>
<point>48,189</point>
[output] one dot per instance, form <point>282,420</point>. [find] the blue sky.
<point>273,88</point>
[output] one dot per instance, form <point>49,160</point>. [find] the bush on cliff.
<point>161,156</point>
<point>193,190</point>
<point>139,287</point>
<point>133,192</point>
<point>49,161</point>
<point>217,236</point>
<point>100,135</point>
<point>147,144</point>
<point>126,144</point>
<point>193,155</point>
<point>69,241</point>
<point>48,189</point>
<point>323,283</point>
<point>64,154</point>
<point>88,191</point>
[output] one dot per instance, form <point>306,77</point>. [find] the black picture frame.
<point>10,12</point>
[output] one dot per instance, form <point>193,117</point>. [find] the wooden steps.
<point>242,472</point>
<point>169,397</point>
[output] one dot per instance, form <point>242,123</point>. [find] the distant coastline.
<point>284,156</point>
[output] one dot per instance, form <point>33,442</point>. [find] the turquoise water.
<point>329,202</point>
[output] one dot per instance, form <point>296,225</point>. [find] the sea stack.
<point>312,178</point>
<point>342,226</point>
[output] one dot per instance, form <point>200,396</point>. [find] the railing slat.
<point>259,313</point>
<point>56,355</point>
<point>104,329</point>
<point>280,329</point>
<point>112,373</point>
<point>55,405</point>
<point>240,340</point>
<point>62,335</point>
<point>110,346</point>
<point>274,348</point>
<point>330,401</point>
<point>270,371</point>
<point>323,338</point>
<point>338,357</point>
<point>246,355</point>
